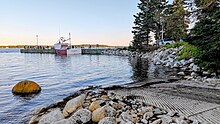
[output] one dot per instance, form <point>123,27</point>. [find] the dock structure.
<point>90,51</point>
<point>41,51</point>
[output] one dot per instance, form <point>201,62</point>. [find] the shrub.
<point>175,45</point>
<point>188,51</point>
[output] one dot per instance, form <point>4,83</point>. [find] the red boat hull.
<point>61,52</point>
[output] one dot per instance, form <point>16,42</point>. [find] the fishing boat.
<point>64,47</point>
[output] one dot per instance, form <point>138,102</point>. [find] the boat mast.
<point>70,41</point>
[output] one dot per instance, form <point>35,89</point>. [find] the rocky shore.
<point>187,69</point>
<point>102,107</point>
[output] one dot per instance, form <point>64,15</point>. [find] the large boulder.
<point>100,113</point>
<point>52,117</point>
<point>72,105</point>
<point>26,87</point>
<point>83,115</point>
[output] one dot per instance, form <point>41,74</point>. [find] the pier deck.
<point>90,51</point>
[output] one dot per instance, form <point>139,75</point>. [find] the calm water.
<point>59,77</point>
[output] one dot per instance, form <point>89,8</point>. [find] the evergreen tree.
<point>176,21</point>
<point>206,33</point>
<point>143,24</point>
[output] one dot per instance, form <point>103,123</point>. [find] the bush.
<point>175,45</point>
<point>188,52</point>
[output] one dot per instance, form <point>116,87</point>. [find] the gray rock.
<point>195,68</point>
<point>183,62</point>
<point>144,121</point>
<point>84,115</point>
<point>166,119</point>
<point>180,121</point>
<point>107,120</point>
<point>52,117</point>
<point>147,109</point>
<point>194,74</point>
<point>181,73</point>
<point>65,121</point>
<point>158,121</point>
<point>148,115</point>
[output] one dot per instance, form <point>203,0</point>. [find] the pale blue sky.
<point>90,21</point>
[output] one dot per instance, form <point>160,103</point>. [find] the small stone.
<point>52,117</point>
<point>144,121</point>
<point>194,74</point>
<point>148,115</point>
<point>158,121</point>
<point>181,73</point>
<point>147,109</point>
<point>107,120</point>
<point>26,87</point>
<point>94,105</point>
<point>135,120</point>
<point>157,111</point>
<point>166,119</point>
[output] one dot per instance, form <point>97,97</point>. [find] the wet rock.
<point>83,115</point>
<point>94,105</point>
<point>100,113</point>
<point>107,120</point>
<point>26,87</point>
<point>72,105</point>
<point>52,117</point>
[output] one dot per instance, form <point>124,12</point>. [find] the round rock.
<point>26,87</point>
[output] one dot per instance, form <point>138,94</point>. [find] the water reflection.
<point>140,69</point>
<point>144,70</point>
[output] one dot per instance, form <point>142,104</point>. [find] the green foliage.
<point>175,45</point>
<point>206,34</point>
<point>188,52</point>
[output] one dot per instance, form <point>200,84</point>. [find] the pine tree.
<point>143,24</point>
<point>176,21</point>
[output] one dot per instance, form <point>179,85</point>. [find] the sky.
<point>89,21</point>
<point>106,22</point>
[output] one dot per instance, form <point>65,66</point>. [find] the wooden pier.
<point>90,51</point>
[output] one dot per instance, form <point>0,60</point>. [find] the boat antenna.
<point>59,31</point>
<point>70,40</point>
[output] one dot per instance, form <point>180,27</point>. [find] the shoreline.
<point>158,86</point>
